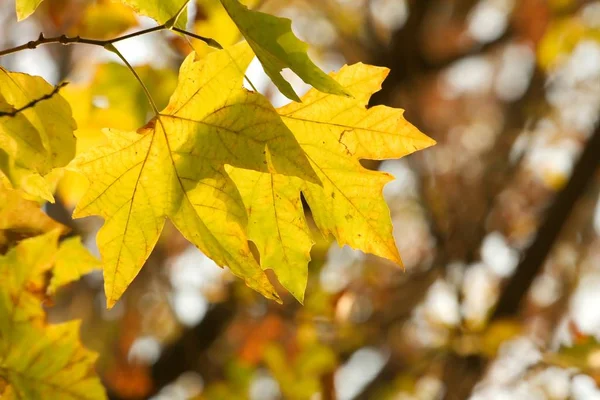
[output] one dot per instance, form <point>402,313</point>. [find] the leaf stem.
<point>209,41</point>
<point>110,47</point>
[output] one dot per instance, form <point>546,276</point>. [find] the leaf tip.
<point>430,141</point>
<point>398,261</point>
<point>110,302</point>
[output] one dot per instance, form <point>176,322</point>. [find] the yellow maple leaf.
<point>335,133</point>
<point>174,167</point>
<point>39,361</point>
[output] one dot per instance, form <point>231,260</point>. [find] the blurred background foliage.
<point>498,225</point>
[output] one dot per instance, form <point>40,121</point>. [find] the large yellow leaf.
<point>37,139</point>
<point>335,133</point>
<point>39,361</point>
<point>174,167</point>
<point>160,10</point>
<point>277,48</point>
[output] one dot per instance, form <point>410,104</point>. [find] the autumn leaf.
<point>335,134</point>
<point>277,48</point>
<point>39,361</point>
<point>174,167</point>
<point>36,140</point>
<point>161,10</point>
<point>23,271</point>
<point>49,363</point>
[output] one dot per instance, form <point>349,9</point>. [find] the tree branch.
<point>531,264</point>
<point>67,40</point>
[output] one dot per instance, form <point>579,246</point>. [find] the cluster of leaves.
<point>38,360</point>
<point>219,161</point>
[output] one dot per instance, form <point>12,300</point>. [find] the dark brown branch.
<point>556,216</point>
<point>32,103</point>
<point>532,262</point>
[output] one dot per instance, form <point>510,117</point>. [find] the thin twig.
<point>67,40</point>
<point>32,103</point>
<point>114,50</point>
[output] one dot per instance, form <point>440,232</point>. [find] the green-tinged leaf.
<point>24,270</point>
<point>277,48</point>
<point>161,10</point>
<point>174,167</point>
<point>22,273</point>
<point>39,361</point>
<point>37,139</point>
<point>580,354</point>
<point>49,363</point>
<point>26,7</point>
